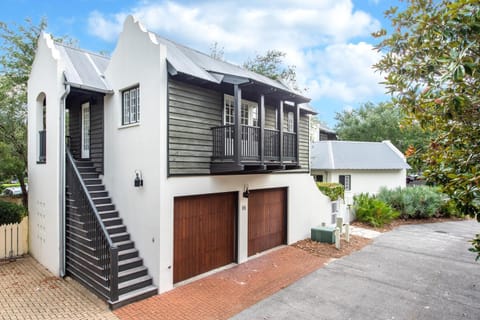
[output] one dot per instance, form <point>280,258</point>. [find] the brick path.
<point>29,291</point>
<point>226,293</point>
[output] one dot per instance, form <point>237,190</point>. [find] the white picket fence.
<point>14,240</point>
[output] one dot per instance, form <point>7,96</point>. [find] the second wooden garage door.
<point>204,234</point>
<point>267,219</point>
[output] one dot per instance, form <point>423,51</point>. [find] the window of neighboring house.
<point>345,180</point>
<point>131,106</point>
<point>319,178</point>
<point>290,122</point>
<point>248,113</point>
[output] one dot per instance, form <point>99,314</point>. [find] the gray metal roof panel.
<point>355,155</point>
<point>201,65</point>
<point>84,69</point>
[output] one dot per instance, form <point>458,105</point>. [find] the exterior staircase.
<point>87,256</point>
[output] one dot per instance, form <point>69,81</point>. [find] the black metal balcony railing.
<point>42,146</point>
<point>272,145</point>
<point>224,144</point>
<point>289,146</point>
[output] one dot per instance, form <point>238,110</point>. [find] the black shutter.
<point>341,180</point>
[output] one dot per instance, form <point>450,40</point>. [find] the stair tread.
<point>131,270</point>
<point>136,292</point>
<point>111,219</point>
<point>133,296</point>
<point>127,251</point>
<point>115,226</point>
<point>133,281</point>
<point>127,261</point>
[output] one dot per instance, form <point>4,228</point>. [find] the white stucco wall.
<point>44,179</point>
<point>137,60</point>
<point>363,181</point>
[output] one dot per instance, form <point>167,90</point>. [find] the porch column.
<point>261,116</point>
<point>237,104</point>
<point>280,125</point>
<point>297,131</point>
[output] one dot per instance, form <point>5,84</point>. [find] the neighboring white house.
<point>360,166</point>
<point>163,158</point>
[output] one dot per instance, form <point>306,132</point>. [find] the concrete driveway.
<point>414,272</point>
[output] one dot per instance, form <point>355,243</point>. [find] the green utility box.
<point>323,234</point>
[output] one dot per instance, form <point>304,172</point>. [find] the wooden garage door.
<point>267,223</point>
<point>204,234</point>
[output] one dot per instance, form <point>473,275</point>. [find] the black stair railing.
<point>105,250</point>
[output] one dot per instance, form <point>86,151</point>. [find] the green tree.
<point>18,45</point>
<point>431,63</point>
<point>271,65</point>
<point>378,122</point>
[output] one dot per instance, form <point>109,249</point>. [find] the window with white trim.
<point>131,106</point>
<point>345,180</point>
<point>248,113</point>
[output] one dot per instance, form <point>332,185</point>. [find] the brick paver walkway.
<point>226,293</point>
<point>29,291</point>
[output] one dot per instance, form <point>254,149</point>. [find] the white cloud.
<point>106,29</point>
<point>344,72</point>
<point>318,37</point>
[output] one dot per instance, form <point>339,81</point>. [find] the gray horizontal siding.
<point>303,149</point>
<point>269,117</point>
<point>192,111</point>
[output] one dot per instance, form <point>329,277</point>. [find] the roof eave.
<point>89,88</point>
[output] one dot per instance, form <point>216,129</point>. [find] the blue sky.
<point>328,41</point>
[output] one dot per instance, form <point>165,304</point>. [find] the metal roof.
<point>356,155</point>
<point>200,65</point>
<point>84,69</point>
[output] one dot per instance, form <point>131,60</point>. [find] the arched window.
<point>42,128</point>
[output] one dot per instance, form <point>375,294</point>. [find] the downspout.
<point>63,101</point>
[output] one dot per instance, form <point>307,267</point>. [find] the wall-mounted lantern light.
<point>138,182</point>
<point>246,192</point>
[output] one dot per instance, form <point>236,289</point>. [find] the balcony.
<point>275,152</point>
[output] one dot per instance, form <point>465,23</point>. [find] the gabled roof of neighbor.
<point>356,155</point>
<point>86,69</point>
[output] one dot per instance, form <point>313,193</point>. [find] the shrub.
<point>372,210</point>
<point>11,213</point>
<point>332,190</point>
<point>417,202</point>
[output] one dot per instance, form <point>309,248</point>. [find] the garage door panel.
<point>204,233</point>
<point>266,219</point>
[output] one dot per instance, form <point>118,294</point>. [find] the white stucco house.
<point>159,163</point>
<point>362,167</point>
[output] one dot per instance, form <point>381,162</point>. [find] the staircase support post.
<point>113,273</point>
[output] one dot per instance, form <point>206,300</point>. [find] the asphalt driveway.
<point>413,272</point>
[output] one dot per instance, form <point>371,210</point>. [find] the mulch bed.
<point>321,249</point>
<point>327,250</point>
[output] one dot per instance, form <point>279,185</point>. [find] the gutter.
<point>63,100</point>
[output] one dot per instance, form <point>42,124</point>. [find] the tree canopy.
<point>18,45</point>
<point>271,65</point>
<point>378,122</point>
<point>431,63</point>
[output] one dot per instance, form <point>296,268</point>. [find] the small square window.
<point>131,106</point>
